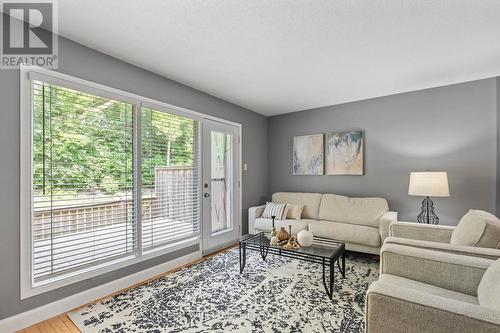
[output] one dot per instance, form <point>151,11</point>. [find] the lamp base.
<point>427,214</point>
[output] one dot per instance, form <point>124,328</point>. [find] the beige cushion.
<point>477,228</point>
<point>344,232</point>
<point>363,211</point>
<point>488,291</point>
<point>309,200</point>
<point>427,288</point>
<point>472,251</point>
<point>294,211</point>
<point>262,224</point>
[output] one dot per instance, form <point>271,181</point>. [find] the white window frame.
<point>28,287</point>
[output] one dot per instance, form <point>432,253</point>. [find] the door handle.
<point>206,195</point>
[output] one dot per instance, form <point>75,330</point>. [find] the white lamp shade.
<point>429,184</point>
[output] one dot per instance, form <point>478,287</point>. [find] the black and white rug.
<point>276,295</point>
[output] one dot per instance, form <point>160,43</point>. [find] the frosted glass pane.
<point>221,180</point>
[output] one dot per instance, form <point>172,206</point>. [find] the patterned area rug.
<point>276,295</point>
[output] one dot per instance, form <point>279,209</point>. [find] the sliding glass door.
<point>110,179</point>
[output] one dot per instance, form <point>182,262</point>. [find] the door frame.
<point>238,169</point>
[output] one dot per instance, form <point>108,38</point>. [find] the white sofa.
<point>361,223</point>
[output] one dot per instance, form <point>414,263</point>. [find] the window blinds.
<point>84,195</point>
<point>170,178</point>
<point>82,167</point>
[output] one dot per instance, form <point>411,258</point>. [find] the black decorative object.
<point>273,229</point>
<point>427,214</point>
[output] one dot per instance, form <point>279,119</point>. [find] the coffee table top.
<point>321,248</point>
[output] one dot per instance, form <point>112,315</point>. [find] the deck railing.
<point>171,190</point>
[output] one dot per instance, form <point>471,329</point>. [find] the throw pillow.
<point>477,228</point>
<point>488,291</point>
<point>294,211</point>
<point>275,209</point>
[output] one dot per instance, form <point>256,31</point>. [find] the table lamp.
<point>428,184</point>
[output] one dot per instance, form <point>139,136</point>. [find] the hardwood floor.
<point>59,324</point>
<point>62,323</point>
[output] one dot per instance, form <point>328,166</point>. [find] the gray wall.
<point>498,147</point>
<point>86,63</point>
<point>452,128</point>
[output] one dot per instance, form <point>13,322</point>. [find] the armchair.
<point>422,290</point>
<point>434,237</point>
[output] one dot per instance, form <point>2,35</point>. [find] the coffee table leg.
<point>263,252</point>
<point>343,265</point>
<point>342,269</point>
<point>329,291</point>
<point>243,257</point>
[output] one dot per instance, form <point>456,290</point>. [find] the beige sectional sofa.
<point>361,223</point>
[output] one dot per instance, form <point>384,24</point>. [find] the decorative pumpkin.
<point>274,240</point>
<point>305,237</point>
<point>282,234</point>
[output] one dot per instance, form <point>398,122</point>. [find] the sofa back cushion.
<point>488,291</point>
<point>309,200</point>
<point>363,211</point>
<point>477,228</point>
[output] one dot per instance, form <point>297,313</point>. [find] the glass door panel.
<point>221,212</point>
<point>221,180</point>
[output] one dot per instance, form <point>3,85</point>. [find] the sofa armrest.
<point>385,222</point>
<point>480,252</point>
<point>392,308</point>
<point>253,214</point>
<point>427,232</point>
<point>446,270</point>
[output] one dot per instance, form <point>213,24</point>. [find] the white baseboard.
<point>44,312</point>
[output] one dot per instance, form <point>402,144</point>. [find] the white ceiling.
<point>279,56</point>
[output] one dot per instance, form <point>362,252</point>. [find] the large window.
<point>96,162</point>
<point>82,179</point>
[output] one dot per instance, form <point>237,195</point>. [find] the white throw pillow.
<point>294,211</point>
<point>488,291</point>
<point>477,228</point>
<point>278,210</point>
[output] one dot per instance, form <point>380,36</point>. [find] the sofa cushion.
<point>345,232</point>
<point>363,211</point>
<point>397,281</point>
<point>477,228</point>
<point>488,291</point>
<point>309,200</point>
<point>278,210</point>
<point>263,224</point>
<point>294,211</point>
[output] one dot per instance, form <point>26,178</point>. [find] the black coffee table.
<point>323,251</point>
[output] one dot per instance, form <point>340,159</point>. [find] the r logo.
<point>27,28</point>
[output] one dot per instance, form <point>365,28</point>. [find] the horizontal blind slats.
<point>82,180</point>
<point>169,147</point>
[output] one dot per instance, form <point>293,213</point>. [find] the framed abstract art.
<point>308,156</point>
<point>344,153</point>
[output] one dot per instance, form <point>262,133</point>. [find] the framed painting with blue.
<point>308,154</point>
<point>344,153</point>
